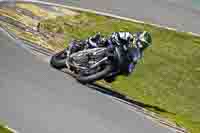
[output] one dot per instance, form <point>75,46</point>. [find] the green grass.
<point>169,75</point>
<point>4,130</point>
<point>36,10</point>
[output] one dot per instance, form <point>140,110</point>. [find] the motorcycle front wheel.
<point>97,76</point>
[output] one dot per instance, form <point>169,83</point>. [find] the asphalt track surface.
<point>35,98</point>
<point>183,15</point>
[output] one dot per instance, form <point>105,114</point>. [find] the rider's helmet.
<point>121,38</point>
<point>143,39</point>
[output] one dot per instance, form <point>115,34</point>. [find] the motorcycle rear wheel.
<point>58,60</point>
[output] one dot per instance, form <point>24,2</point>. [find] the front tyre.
<point>58,60</point>
<point>97,76</point>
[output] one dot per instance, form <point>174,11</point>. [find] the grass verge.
<point>4,130</point>
<point>168,77</point>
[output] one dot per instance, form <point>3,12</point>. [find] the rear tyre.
<point>58,60</point>
<point>94,77</point>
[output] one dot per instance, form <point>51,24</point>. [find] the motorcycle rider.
<point>135,45</point>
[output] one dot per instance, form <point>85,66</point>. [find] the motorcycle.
<point>90,65</point>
